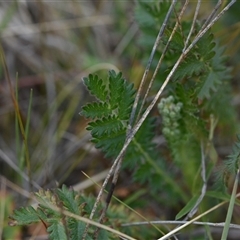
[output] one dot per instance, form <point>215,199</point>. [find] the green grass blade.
<point>230,208</point>
<point>17,130</point>
<point>188,207</point>
<point>26,129</point>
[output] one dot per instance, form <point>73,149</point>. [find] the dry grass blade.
<point>16,168</point>
<point>17,111</point>
<point>193,220</point>
<point>171,233</point>
<point>163,55</point>
<point>193,24</point>
<point>208,26</point>
<point>56,26</point>
<point>220,224</point>
<point>157,42</point>
<point>15,187</point>
<point>218,5</point>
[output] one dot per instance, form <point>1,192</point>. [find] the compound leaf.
<point>209,83</point>
<point>127,99</point>
<point>189,68</point>
<point>217,74</point>
<point>116,87</point>
<point>111,144</point>
<point>76,229</point>
<point>105,125</point>
<point>96,87</point>
<point>109,119</point>
<point>69,199</point>
<point>57,231</point>
<point>96,110</point>
<point>24,216</point>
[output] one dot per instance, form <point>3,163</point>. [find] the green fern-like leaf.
<point>46,200</point>
<point>150,17</point>
<point>76,229</point>
<point>116,87</point>
<point>149,14</point>
<point>105,126</point>
<point>60,226</point>
<point>233,161</point>
<point>57,231</point>
<point>70,200</point>
<point>177,43</point>
<point>209,83</point>
<point>229,167</point>
<point>96,87</point>
<point>217,74</point>
<point>125,107</point>
<point>111,144</point>
<point>219,104</point>
<point>203,50</point>
<point>189,68</point>
<point>96,110</point>
<point>109,131</point>
<point>121,95</point>
<point>109,118</point>
<point>203,68</point>
<point>198,60</point>
<point>142,174</point>
<point>24,216</point>
<point>74,203</point>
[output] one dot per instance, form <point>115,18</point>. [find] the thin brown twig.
<point>59,25</point>
<point>193,24</point>
<point>157,42</point>
<point>211,224</point>
<point>15,187</point>
<point>192,221</point>
<point>11,163</point>
<point>163,53</point>
<point>210,17</point>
